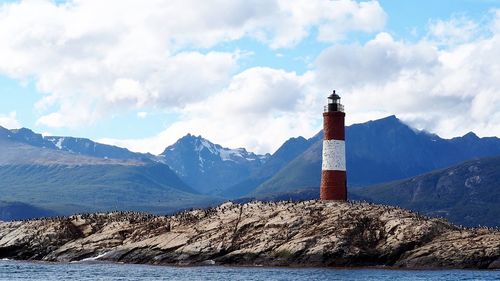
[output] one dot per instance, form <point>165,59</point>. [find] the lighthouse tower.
<point>333,170</point>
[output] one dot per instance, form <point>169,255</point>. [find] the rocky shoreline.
<point>301,234</point>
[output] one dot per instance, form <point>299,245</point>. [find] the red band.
<point>333,125</point>
<point>333,185</point>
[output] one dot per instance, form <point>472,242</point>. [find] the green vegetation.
<point>66,189</point>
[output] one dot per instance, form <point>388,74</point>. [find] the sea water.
<point>18,270</point>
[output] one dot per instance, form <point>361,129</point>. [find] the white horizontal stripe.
<point>333,155</point>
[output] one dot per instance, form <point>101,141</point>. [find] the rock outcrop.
<point>311,233</point>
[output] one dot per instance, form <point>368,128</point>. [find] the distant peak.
<point>190,136</point>
<point>22,131</point>
<point>185,138</point>
<point>295,140</point>
<point>387,123</point>
<point>471,135</point>
<point>4,132</point>
<point>197,142</point>
<point>199,145</point>
<point>26,134</point>
<point>390,118</point>
<point>299,138</point>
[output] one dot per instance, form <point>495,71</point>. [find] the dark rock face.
<point>311,233</point>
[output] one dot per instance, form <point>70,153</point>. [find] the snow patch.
<point>205,144</point>
<point>472,181</point>
<point>225,154</point>
<point>230,154</point>
<point>59,143</point>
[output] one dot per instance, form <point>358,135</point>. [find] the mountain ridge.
<point>209,167</point>
<point>467,193</point>
<point>382,150</point>
<point>79,177</point>
<point>289,150</point>
<point>81,146</point>
<point>379,151</point>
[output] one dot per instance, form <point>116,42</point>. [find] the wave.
<point>94,258</point>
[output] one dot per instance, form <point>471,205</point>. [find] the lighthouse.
<point>333,168</point>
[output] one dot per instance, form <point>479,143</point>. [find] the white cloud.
<point>364,16</point>
<point>9,121</point>
<point>448,90</point>
<point>92,58</point>
<point>95,58</point>
<point>380,60</point>
<point>458,29</point>
<point>292,21</point>
<point>495,25</point>
<point>259,110</point>
<point>142,114</point>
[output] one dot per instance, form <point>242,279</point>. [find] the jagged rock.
<point>311,233</point>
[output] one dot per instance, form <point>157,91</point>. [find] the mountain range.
<point>80,146</point>
<point>68,175</point>
<point>207,167</point>
<point>380,151</point>
<point>63,175</point>
<point>468,193</point>
<point>230,173</point>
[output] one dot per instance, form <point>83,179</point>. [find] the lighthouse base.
<point>333,185</point>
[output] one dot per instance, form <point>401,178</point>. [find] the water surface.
<point>18,270</point>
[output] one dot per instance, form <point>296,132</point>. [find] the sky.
<point>250,73</point>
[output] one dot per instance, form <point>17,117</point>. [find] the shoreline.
<point>381,268</point>
<point>310,234</point>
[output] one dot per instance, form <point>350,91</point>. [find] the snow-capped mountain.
<point>42,176</point>
<point>80,146</point>
<point>209,167</point>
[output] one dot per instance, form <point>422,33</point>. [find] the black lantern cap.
<point>334,103</point>
<point>334,96</point>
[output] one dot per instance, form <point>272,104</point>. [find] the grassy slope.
<point>66,189</point>
<point>64,182</point>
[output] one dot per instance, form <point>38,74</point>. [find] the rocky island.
<point>310,233</point>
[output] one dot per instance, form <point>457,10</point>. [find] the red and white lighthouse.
<point>333,169</point>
